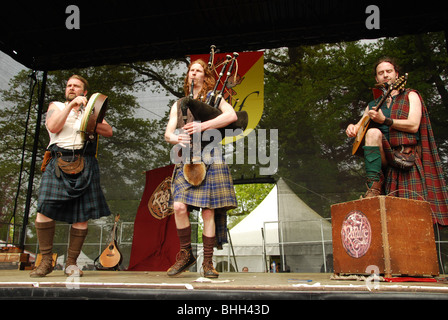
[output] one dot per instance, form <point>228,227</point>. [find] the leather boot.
<point>374,190</point>
<point>77,237</point>
<point>45,236</point>
<point>184,260</point>
<point>209,270</point>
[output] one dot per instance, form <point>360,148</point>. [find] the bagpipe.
<point>195,169</point>
<point>204,111</point>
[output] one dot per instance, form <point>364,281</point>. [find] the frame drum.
<point>94,114</point>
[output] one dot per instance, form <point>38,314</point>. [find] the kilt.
<point>72,198</point>
<point>216,192</point>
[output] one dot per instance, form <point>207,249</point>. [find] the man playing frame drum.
<point>70,189</point>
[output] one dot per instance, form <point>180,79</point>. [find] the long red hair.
<point>209,80</point>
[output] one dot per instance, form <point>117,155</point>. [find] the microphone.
<point>81,107</point>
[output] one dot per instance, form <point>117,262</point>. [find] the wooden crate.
<point>13,257</point>
<point>13,260</point>
<point>393,235</point>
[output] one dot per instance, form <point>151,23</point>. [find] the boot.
<point>184,260</point>
<point>45,235</point>
<point>209,270</point>
<point>372,157</point>
<point>374,190</point>
<point>207,265</point>
<point>77,237</point>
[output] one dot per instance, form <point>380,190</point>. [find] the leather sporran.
<point>71,164</point>
<point>404,158</point>
<point>194,173</point>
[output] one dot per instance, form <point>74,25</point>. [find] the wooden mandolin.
<point>111,256</point>
<point>365,121</point>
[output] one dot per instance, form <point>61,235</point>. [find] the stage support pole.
<point>233,252</point>
<point>33,161</point>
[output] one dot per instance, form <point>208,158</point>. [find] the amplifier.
<point>391,235</point>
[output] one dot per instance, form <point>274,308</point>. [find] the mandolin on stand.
<point>111,257</point>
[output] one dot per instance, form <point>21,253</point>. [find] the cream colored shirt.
<point>69,137</point>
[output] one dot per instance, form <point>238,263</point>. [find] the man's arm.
<point>56,118</point>
<point>352,129</point>
<point>104,129</point>
<point>411,124</point>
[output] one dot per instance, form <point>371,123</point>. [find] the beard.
<point>70,96</point>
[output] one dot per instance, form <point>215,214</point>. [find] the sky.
<point>153,106</point>
<point>8,69</point>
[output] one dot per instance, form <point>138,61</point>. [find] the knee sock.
<point>209,244</point>
<point>372,157</point>
<point>185,237</point>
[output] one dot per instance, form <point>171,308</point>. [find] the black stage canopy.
<point>110,32</point>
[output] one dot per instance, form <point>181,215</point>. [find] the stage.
<point>124,285</point>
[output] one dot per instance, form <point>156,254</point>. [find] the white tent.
<point>280,223</point>
<point>248,233</point>
<point>248,236</point>
<point>305,237</point>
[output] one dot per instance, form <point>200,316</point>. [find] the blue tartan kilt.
<point>72,198</point>
<point>215,192</point>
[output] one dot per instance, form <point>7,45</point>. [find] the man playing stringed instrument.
<point>74,196</point>
<point>400,152</point>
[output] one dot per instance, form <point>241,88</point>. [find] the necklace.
<point>391,99</point>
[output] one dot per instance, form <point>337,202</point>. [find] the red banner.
<point>155,243</point>
<point>245,87</point>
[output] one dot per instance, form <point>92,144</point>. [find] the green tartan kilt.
<point>72,198</point>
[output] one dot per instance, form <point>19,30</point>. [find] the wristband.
<point>388,122</point>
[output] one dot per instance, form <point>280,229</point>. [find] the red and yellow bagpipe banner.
<point>155,243</point>
<point>245,86</point>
